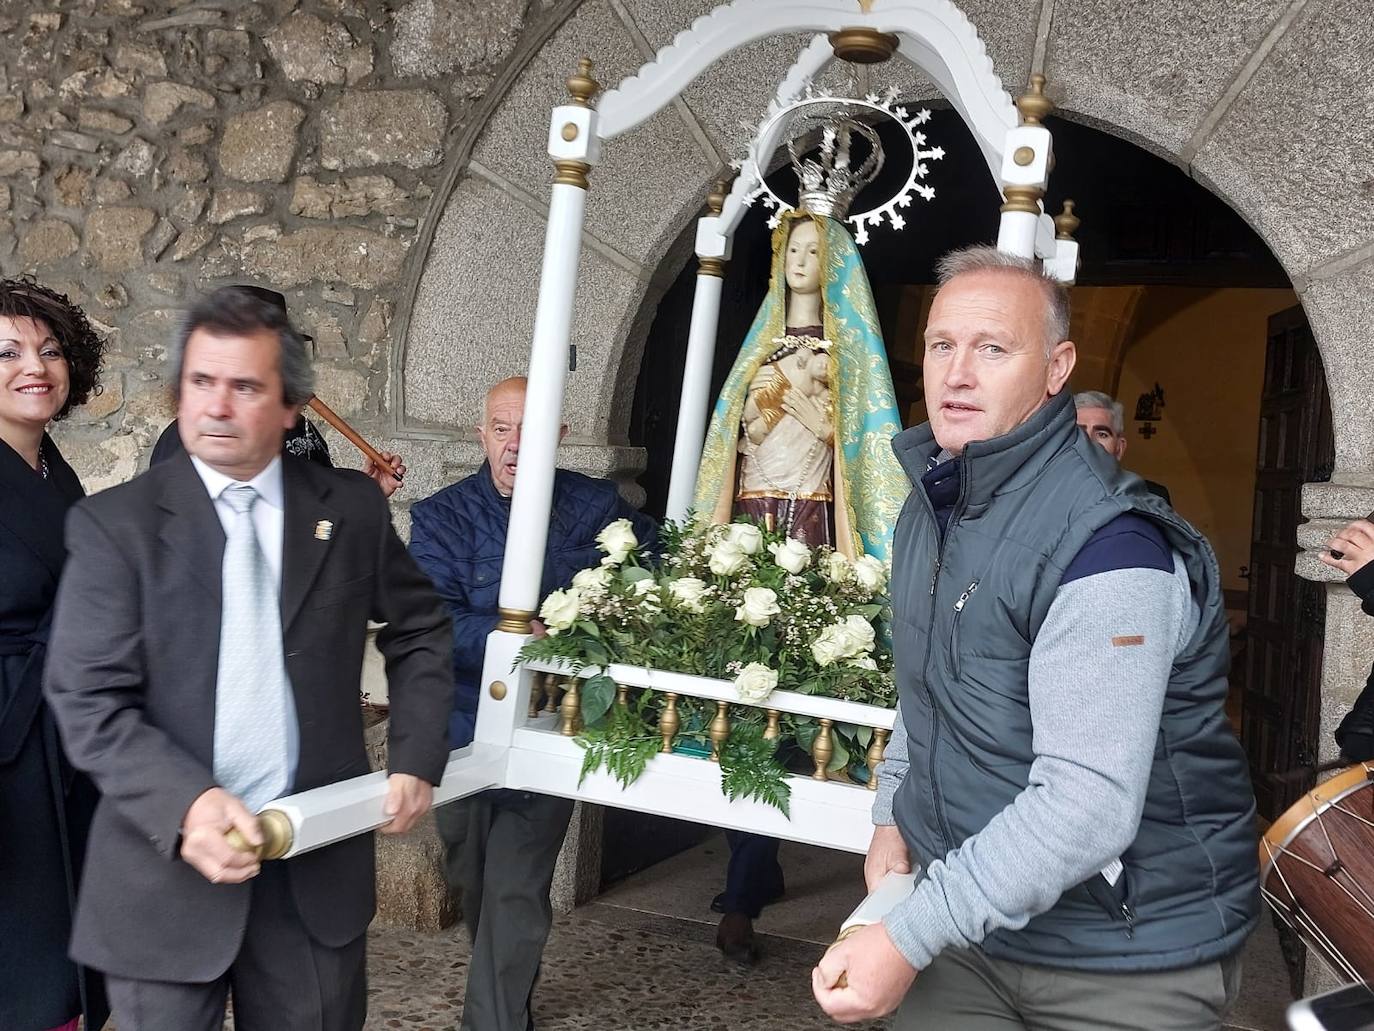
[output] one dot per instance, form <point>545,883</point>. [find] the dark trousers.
<point>754,876</point>
<point>500,850</point>
<point>281,978</point>
<point>966,990</point>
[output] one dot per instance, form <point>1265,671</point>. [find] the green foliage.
<point>826,634</point>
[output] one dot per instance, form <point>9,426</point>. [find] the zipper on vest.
<point>963,598</point>
<point>1129,914</point>
<point>941,819</point>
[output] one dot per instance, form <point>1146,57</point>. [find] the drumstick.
<point>330,416</point>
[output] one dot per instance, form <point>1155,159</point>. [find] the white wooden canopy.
<point>513,747</point>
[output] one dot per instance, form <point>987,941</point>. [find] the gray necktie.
<point>255,713</point>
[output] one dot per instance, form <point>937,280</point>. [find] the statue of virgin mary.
<point>800,437</point>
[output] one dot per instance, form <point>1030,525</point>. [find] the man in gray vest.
<point>1062,766</point>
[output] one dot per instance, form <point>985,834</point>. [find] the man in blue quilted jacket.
<point>501,846</point>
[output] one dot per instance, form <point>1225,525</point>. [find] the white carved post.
<point>713,251</point>
<point>574,147</point>
<point>1025,171</point>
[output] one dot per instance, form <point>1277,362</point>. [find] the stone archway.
<point>1268,109</point>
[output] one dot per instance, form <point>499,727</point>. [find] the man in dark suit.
<point>205,658</point>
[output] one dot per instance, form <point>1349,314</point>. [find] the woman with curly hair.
<point>49,364</point>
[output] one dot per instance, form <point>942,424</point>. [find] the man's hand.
<point>407,799</point>
<point>876,977</point>
<point>1355,544</point>
<point>389,476</point>
<point>538,629</point>
<point>887,853</point>
<point>203,844</point>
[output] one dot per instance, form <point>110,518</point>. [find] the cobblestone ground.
<point>608,969</point>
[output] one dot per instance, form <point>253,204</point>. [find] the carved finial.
<point>1033,104</point>
<point>1066,223</point>
<point>715,200</point>
<point>581,84</point>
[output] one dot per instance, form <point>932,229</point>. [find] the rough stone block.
<point>1157,76</point>
<point>383,127</point>
<point>70,186</point>
<point>47,242</point>
<point>343,388</point>
<point>360,195</point>
<point>104,404</point>
<point>362,259</point>
<point>19,164</point>
<point>187,166</point>
<point>141,57</point>
<point>162,100</point>
<point>1291,154</point>
<point>465,296</point>
<point>311,49</point>
<point>114,237</point>
<point>1341,311</point>
<point>229,204</point>
<point>258,146</point>
<point>94,119</point>
<point>643,171</point>
<point>11,107</point>
<point>111,191</point>
<point>441,37</point>
<point>137,159</point>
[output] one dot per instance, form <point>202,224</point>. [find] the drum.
<point>1317,870</point>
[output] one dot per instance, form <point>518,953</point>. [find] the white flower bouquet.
<point>737,603</point>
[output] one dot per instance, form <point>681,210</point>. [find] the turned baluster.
<point>822,749</point>
<point>570,709</point>
<point>719,730</point>
<point>622,696</point>
<point>668,722</point>
<point>772,732</point>
<point>551,693</point>
<point>874,756</point>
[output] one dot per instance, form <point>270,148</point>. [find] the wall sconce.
<point>1150,410</point>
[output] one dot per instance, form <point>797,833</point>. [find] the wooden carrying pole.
<point>330,416</point>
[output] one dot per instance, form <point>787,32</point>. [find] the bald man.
<point>501,846</point>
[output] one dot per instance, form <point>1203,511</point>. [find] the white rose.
<point>688,592</point>
<point>858,633</point>
<point>646,591</point>
<point>727,559</point>
<point>561,609</point>
<point>755,682</point>
<point>745,536</point>
<point>837,568</point>
<point>829,647</point>
<point>592,579</point>
<point>759,608</point>
<point>871,574</point>
<point>792,555</point>
<point>617,540</point>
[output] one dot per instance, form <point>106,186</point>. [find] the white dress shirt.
<point>269,513</point>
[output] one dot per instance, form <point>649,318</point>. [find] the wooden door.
<point>1280,708</point>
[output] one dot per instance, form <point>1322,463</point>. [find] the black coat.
<point>1355,735</point>
<point>131,678</point>
<point>45,806</point>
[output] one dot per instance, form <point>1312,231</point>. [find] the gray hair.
<point>982,258</point>
<point>242,310</point>
<point>1097,399</point>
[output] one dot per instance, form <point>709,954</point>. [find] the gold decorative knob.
<point>1033,104</point>
<point>715,200</point>
<point>497,690</point>
<point>1066,223</point>
<point>277,836</point>
<point>581,84</point>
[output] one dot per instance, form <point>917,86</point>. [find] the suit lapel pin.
<point>324,529</point>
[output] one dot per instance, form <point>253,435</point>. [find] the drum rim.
<point>1290,824</point>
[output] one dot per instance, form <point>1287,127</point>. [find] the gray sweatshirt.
<point>1099,669</point>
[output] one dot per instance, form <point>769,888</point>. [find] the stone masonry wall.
<point>151,149</point>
